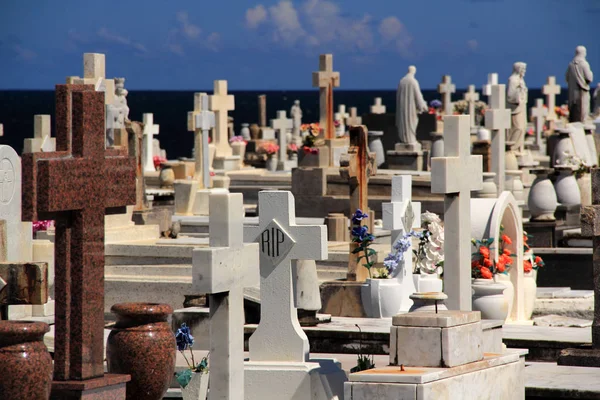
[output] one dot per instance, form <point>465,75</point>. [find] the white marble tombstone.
<point>539,114</point>
<point>282,124</point>
<point>449,176</point>
<point>150,130</point>
<point>486,89</point>
<point>378,107</point>
<point>580,143</point>
<point>471,96</point>
<point>201,121</point>
<point>42,141</point>
<point>551,89</point>
<point>446,88</point>
<point>223,270</point>
<point>497,120</point>
<point>400,216</point>
<point>220,102</point>
<point>353,119</point>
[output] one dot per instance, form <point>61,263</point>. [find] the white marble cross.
<point>378,107</point>
<point>201,121</point>
<point>539,114</point>
<point>41,136</point>
<point>222,271</point>
<point>492,80</point>
<point>446,88</point>
<point>342,111</point>
<point>150,130</point>
<point>353,119</point>
<point>94,67</point>
<point>279,336</point>
<point>456,175</point>
<point>220,103</point>
<point>551,89</point>
<point>282,124</point>
<point>400,216</point>
<point>497,120</point>
<point>471,96</point>
<point>326,79</point>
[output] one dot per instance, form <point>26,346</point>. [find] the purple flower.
<point>435,103</point>
<point>358,216</point>
<point>360,233</point>
<point>184,337</point>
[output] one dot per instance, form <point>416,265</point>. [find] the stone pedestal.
<point>200,205</point>
<point>109,386</point>
<point>406,157</point>
<point>227,163</point>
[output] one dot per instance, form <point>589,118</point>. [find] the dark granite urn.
<point>142,345</point>
<point>25,364</point>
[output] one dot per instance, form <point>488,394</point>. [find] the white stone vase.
<point>514,184</point>
<point>489,189</point>
<point>427,283</point>
<point>483,134</point>
<point>271,163</point>
<point>488,297</point>
<point>567,190</point>
<point>584,181</point>
<point>509,292</point>
<point>381,297</point>
<point>239,149</point>
<point>530,291</point>
<point>542,201</point>
<point>562,149</point>
<point>245,131</point>
<point>197,389</point>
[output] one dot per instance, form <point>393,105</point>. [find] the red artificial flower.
<point>487,263</point>
<point>484,251</point>
<point>527,267</point>
<point>486,273</point>
<point>506,239</point>
<point>475,264</point>
<point>506,259</point>
<point>500,266</point>
<point>506,252</point>
<point>538,260</point>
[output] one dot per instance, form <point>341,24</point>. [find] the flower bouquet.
<point>194,379</point>
<point>268,149</point>
<point>482,263</point>
<point>361,236</point>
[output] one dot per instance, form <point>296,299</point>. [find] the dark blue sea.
<point>17,109</point>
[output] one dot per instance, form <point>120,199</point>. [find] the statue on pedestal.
<point>117,113</point>
<point>579,76</point>
<point>296,114</point>
<point>516,98</point>
<point>409,103</point>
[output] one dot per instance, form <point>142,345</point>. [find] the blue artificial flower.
<point>391,263</point>
<point>184,337</point>
<point>435,103</point>
<point>358,216</point>
<point>360,233</point>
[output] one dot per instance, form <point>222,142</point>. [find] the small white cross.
<point>342,111</point>
<point>279,336</point>
<point>353,119</point>
<point>201,121</point>
<point>150,130</point>
<point>223,270</point>
<point>471,96</point>
<point>497,120</point>
<point>41,136</point>
<point>456,175</point>
<point>492,80</point>
<point>539,114</point>
<point>378,107</point>
<point>551,89</point>
<point>446,88</point>
<point>221,103</point>
<point>282,124</point>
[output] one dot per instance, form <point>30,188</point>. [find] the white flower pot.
<point>271,163</point>
<point>530,291</point>
<point>567,190</point>
<point>197,389</point>
<point>542,201</point>
<point>426,283</point>
<point>381,297</point>
<point>509,292</point>
<point>488,298</point>
<point>245,132</point>
<point>489,189</point>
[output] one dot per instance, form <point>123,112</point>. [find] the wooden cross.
<point>150,130</point>
<point>74,186</point>
<point>221,103</point>
<point>471,96</point>
<point>41,136</point>
<point>539,114</point>
<point>353,119</point>
<point>446,88</point>
<point>279,336</point>
<point>358,165</point>
<point>378,107</point>
<point>497,120</point>
<point>223,270</point>
<point>551,89</point>
<point>456,175</point>
<point>326,79</point>
<point>201,121</point>
<point>492,80</point>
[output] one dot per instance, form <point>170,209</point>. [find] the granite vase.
<point>25,364</point>
<point>142,345</point>
<point>197,388</point>
<point>488,297</point>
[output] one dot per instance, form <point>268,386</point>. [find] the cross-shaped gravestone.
<point>446,88</point>
<point>326,79</point>
<point>74,186</point>
<point>150,130</point>
<point>282,124</point>
<point>353,119</point>
<point>201,121</point>
<point>220,103</point>
<point>342,112</point>
<point>94,67</point>
<point>456,175</point>
<point>279,336</point>
<point>400,216</point>
<point>551,89</point>
<point>223,270</point>
<point>471,96</point>
<point>497,120</point>
<point>492,80</point>
<point>539,114</point>
<point>378,107</point>
<point>358,165</point>
<point>41,136</point>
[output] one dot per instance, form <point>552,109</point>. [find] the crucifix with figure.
<point>497,120</point>
<point>358,165</point>
<point>455,175</point>
<point>74,186</point>
<point>223,270</point>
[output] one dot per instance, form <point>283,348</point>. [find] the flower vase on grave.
<point>245,131</point>
<point>25,364</point>
<point>483,134</point>
<point>197,388</point>
<point>488,297</point>
<point>271,162</point>
<point>238,148</point>
<point>565,185</point>
<point>563,148</point>
<point>514,184</point>
<point>489,189</point>
<point>584,181</point>
<point>254,131</point>
<point>509,292</point>
<point>166,177</point>
<point>428,283</point>
<point>142,345</point>
<point>381,297</point>
<point>529,286</point>
<point>542,201</point>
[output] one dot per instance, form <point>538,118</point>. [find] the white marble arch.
<point>486,217</point>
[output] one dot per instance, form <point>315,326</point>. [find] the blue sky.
<point>274,44</point>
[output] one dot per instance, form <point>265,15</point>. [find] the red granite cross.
<point>74,186</point>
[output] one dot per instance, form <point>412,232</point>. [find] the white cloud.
<point>256,16</point>
<point>393,31</point>
<point>188,29</point>
<point>286,22</point>
<point>390,28</point>
<point>111,37</point>
<point>185,34</point>
<point>23,53</point>
<point>473,44</point>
